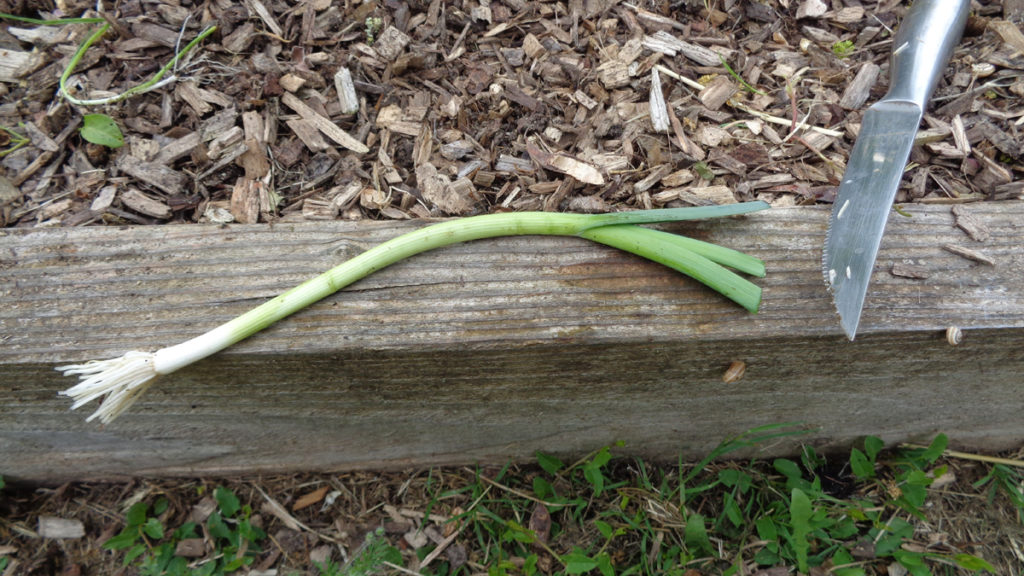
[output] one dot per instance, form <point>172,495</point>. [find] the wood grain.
<point>491,350</point>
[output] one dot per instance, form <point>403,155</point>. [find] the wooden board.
<point>494,349</point>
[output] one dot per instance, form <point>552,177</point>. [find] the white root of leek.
<point>121,381</point>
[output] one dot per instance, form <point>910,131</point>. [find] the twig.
<point>674,75</point>
<point>401,569</point>
<point>511,490</point>
<point>784,121</point>
<point>974,457</point>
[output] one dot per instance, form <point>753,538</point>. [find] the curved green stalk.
<point>662,247</point>
<point>672,214</point>
<point>153,83</point>
<point>490,226</point>
<point>120,381</point>
<point>719,254</point>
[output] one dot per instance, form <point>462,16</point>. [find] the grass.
<point>872,511</point>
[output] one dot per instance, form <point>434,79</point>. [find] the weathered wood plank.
<point>494,349</point>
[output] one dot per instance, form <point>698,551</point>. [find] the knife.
<point>921,48</point>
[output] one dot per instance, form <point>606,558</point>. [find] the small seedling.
<point>843,48</point>
<point>373,27</point>
<point>704,171</point>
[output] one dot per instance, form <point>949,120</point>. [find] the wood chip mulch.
<point>393,109</point>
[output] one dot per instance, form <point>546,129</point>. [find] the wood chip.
<point>9,193</point>
<point>39,138</point>
<point>261,10</point>
<point>960,135</point>
<point>585,100</point>
<point>512,164</point>
<point>156,175</point>
<point>254,160</point>
<point>857,93</point>
<point>656,174</point>
<point>307,132</point>
<point>291,82</point>
<point>104,198</point>
<point>396,119</point>
<point>970,223</point>
<point>245,201</point>
<point>61,528</point>
<point>613,74</point>
<point>1009,32</point>
<point>437,189</point>
<point>992,175</point>
<point>532,47</point>
<point>678,178</point>
<point>684,143</point>
<point>188,91</point>
<point>588,205</point>
<point>139,202</point>
<point>565,164</point>
<point>346,91</point>
<point>190,548</point>
<point>665,43</point>
<point>723,159</point>
<point>391,43</point>
<point>717,92</point>
<point>969,254</point>
<point>848,15</point>
<point>330,129</point>
<point>811,9</point>
<point>704,195</point>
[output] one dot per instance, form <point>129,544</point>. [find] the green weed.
<point>843,48</point>
<point>148,546</point>
<point>796,512</point>
<point>1002,478</point>
<point>368,559</point>
<point>856,514</point>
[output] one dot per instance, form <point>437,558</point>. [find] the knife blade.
<point>922,46</point>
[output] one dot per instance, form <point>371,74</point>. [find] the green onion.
<point>120,381</point>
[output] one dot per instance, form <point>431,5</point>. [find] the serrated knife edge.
<point>921,48</point>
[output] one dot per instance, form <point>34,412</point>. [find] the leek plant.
<point>120,381</point>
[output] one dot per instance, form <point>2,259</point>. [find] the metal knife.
<point>921,48</point>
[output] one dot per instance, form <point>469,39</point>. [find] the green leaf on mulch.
<point>101,129</point>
